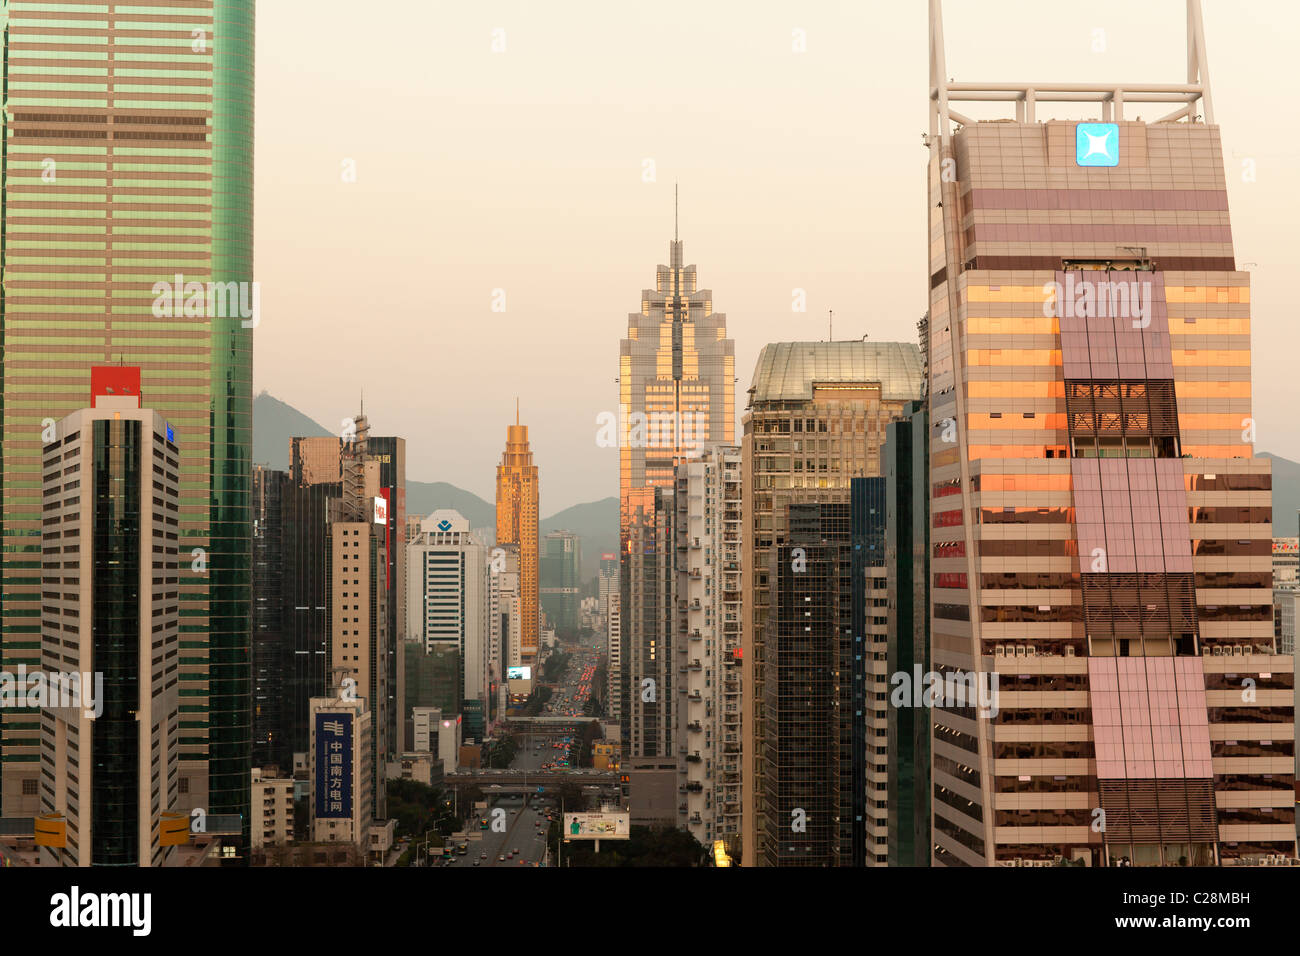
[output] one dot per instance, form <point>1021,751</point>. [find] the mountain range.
<point>595,522</point>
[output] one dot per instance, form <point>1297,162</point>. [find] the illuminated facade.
<point>517,503</point>
<point>135,167</point>
<point>1101,531</point>
<point>676,394</point>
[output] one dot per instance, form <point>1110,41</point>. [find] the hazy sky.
<point>523,171</point>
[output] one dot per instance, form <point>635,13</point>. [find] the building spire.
<point>516,409</point>
<point>674,212</point>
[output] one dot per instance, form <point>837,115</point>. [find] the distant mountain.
<point>596,523</point>
<point>426,497</point>
<point>274,423</point>
<point>1286,495</point>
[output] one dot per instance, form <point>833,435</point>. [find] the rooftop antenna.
<point>830,326</point>
<point>516,409</point>
<point>674,212</point>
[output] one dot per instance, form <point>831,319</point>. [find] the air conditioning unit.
<point>1031,651</point>
<point>1205,650</point>
<point>1000,650</point>
<point>1069,650</point>
<point>1238,651</point>
<point>1218,651</point>
<point>1020,650</point>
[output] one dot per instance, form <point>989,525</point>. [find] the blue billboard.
<point>334,766</point>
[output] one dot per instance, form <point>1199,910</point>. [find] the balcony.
<point>695,573</point>
<point>694,757</point>
<point>694,787</point>
<point>695,634</point>
<point>695,818</point>
<point>695,544</point>
<point>695,726</point>
<point>694,696</point>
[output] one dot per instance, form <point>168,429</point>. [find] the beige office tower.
<point>676,393</point>
<point>110,616</point>
<point>341,770</point>
<point>614,658</point>
<point>708,643</point>
<point>504,623</point>
<point>517,518</point>
<point>1100,526</point>
<point>357,603</point>
<point>816,419</point>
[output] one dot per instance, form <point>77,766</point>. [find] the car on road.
<point>501,859</point>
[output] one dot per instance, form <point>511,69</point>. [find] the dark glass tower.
<point>808,785</point>
<point>905,459</point>
<point>271,657</point>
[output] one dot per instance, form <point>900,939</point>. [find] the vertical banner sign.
<point>334,766</point>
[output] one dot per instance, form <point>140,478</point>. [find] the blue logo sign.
<point>334,766</point>
<point>1096,144</point>
<point>444,525</point>
<point>171,437</point>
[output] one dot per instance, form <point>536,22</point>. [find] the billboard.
<point>334,766</point>
<point>381,510</point>
<point>519,673</point>
<point>612,825</point>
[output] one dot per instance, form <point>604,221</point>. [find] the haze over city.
<point>522,171</point>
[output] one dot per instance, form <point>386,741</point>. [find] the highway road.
<point>487,846</point>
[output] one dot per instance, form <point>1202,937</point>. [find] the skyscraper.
<point>517,516</point>
<point>807,760</point>
<point>450,603</point>
<point>707,641</point>
<point>315,482</point>
<point>356,606</point>
<point>816,419</point>
<point>907,563</point>
<point>1101,529</point>
<point>561,586</point>
<point>648,682</point>
<point>390,453</point>
<point>111,492</point>
<point>606,582</point>
<point>676,394</point>
<point>272,653</point>
<point>117,194</point>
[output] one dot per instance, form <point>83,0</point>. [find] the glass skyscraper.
<point>127,162</point>
<point>677,393</point>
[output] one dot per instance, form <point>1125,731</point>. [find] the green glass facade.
<point>127,162</point>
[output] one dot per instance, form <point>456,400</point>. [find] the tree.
<point>658,847</point>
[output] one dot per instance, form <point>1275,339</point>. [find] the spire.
<point>516,409</point>
<point>674,212</point>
